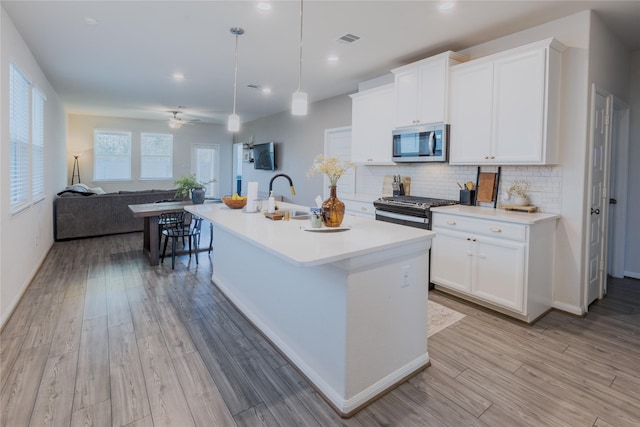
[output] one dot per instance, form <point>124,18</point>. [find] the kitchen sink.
<point>295,214</point>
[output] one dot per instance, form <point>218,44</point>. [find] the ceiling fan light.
<point>299,103</point>
<point>174,124</point>
<point>233,123</point>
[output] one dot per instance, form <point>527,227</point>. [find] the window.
<point>19,138</point>
<point>112,155</point>
<point>156,156</point>
<point>37,145</point>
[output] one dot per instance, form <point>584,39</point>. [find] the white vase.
<point>520,199</point>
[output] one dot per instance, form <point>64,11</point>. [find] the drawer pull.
<point>496,229</point>
<point>363,208</point>
<point>451,222</point>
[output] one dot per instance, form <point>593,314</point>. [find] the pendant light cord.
<point>300,68</point>
<point>235,77</point>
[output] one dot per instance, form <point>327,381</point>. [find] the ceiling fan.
<point>176,122</point>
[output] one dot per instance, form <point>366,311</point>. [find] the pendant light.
<point>299,98</point>
<point>233,124</point>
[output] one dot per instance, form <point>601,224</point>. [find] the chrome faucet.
<point>293,190</point>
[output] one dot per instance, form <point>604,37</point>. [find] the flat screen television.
<point>264,156</point>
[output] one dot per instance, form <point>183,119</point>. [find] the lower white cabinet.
<point>506,266</point>
<point>359,207</point>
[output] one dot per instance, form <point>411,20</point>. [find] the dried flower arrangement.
<point>519,187</point>
<point>333,167</point>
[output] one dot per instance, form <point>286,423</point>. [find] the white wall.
<point>28,235</point>
<point>80,142</point>
<point>299,140</point>
<point>632,249</point>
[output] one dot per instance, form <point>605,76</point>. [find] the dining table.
<point>151,235</point>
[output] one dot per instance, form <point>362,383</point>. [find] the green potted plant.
<point>189,183</point>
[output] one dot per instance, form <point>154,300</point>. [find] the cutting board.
<point>387,185</point>
<point>486,187</point>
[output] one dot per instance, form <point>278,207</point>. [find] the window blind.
<point>19,138</point>
<point>112,155</point>
<point>37,146</point>
<point>156,156</point>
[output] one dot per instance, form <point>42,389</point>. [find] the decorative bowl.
<point>234,203</point>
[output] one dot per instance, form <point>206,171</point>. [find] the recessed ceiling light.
<point>266,90</point>
<point>178,77</point>
<point>447,5</point>
<point>90,21</point>
<point>333,58</point>
<point>264,6</point>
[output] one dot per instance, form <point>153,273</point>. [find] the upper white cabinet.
<point>504,108</point>
<point>421,89</point>
<point>371,125</point>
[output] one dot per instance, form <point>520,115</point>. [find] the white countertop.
<point>288,239</point>
<point>496,214</point>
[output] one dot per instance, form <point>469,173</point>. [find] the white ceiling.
<point>122,66</point>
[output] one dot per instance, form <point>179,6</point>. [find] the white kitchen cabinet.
<point>504,108</point>
<point>421,89</point>
<point>498,259</point>
<point>371,124</point>
<point>359,207</point>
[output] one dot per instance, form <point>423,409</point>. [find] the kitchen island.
<point>347,308</point>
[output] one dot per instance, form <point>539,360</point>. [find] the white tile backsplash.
<point>439,180</point>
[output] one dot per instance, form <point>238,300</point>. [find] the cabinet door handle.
<point>468,239</point>
<point>493,157</point>
<point>451,222</point>
<point>496,229</point>
<point>474,240</point>
<point>363,208</point>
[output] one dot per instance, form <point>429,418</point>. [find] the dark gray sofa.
<point>76,215</point>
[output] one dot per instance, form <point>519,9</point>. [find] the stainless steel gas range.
<point>412,211</point>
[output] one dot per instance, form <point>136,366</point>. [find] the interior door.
<point>598,202</point>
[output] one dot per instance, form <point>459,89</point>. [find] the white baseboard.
<point>632,274</point>
<point>14,304</point>
<point>573,309</point>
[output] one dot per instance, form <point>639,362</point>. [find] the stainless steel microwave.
<point>424,143</point>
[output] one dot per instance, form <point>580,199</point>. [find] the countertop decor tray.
<point>520,208</point>
<point>326,229</point>
<point>274,216</point>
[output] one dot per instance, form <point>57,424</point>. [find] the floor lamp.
<point>76,170</point>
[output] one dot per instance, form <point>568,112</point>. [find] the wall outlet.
<point>405,278</point>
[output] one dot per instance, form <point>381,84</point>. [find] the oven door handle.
<point>410,218</point>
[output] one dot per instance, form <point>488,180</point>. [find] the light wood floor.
<point>100,338</point>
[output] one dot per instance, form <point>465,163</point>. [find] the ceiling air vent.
<point>348,38</point>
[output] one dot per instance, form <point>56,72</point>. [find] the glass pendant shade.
<point>299,103</point>
<point>233,124</point>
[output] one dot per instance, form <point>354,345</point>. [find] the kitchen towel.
<point>252,195</point>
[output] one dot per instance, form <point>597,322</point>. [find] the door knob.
<point>595,211</point>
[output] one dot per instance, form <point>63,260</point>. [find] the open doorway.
<point>619,173</point>
<point>608,171</point>
<point>238,159</point>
